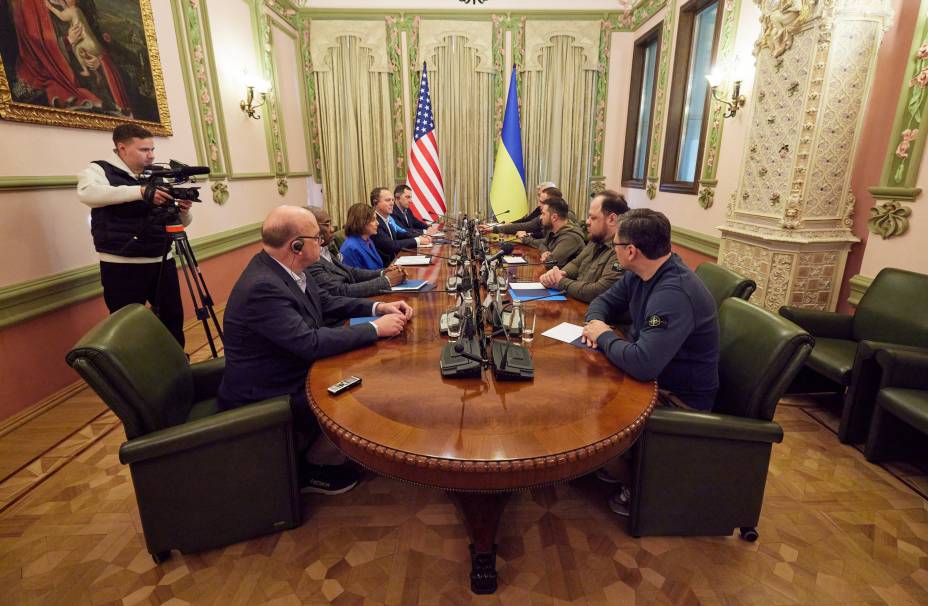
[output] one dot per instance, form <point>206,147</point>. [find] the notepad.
<point>567,333</point>
<point>523,293</point>
<point>526,286</point>
<point>410,285</point>
<point>414,260</point>
<point>513,260</point>
<point>364,320</point>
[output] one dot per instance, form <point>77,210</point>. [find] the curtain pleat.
<point>355,127</point>
<point>557,123</point>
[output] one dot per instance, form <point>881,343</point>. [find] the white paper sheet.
<point>565,331</point>
<point>414,260</point>
<point>514,260</point>
<point>527,286</point>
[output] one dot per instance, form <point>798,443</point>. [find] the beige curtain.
<point>557,123</point>
<point>462,104</point>
<point>355,127</point>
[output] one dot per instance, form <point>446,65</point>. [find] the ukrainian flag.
<point>507,191</point>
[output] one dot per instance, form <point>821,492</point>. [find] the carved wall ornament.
<point>706,197</point>
<point>781,21</point>
<point>651,189</point>
<point>220,192</point>
<point>775,198</point>
<point>784,150</point>
<point>282,186</point>
<point>889,219</point>
<point>793,89</point>
<point>790,218</point>
<point>762,171</point>
<point>849,210</point>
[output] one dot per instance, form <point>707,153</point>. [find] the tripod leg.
<point>206,297</point>
<point>181,246</point>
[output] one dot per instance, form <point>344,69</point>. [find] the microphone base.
<point>455,366</point>
<point>519,365</point>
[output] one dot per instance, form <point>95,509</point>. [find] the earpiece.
<point>297,246</point>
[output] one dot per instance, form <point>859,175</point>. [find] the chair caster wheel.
<point>161,556</point>
<point>749,534</point>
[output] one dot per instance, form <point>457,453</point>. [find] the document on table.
<point>526,286</point>
<point>513,260</point>
<point>414,260</point>
<point>423,246</point>
<point>411,285</point>
<point>534,290</point>
<point>566,332</point>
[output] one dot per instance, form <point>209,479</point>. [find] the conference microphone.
<point>460,350</point>
<point>505,212</point>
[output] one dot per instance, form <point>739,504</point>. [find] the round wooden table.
<point>479,439</point>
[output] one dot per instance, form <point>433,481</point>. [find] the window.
<point>697,38</point>
<point>641,108</point>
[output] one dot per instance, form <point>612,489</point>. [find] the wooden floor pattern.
<point>834,530</point>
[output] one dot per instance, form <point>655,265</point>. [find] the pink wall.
<point>877,130</point>
<point>33,351</point>
<point>691,257</point>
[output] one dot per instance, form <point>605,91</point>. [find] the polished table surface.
<point>479,435</point>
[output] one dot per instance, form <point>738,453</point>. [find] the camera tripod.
<point>196,285</point>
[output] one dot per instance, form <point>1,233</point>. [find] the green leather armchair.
<point>900,414</point>
<point>723,282</point>
<point>203,478</point>
<point>703,474</point>
<point>890,312</point>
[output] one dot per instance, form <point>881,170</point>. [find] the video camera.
<point>168,177</point>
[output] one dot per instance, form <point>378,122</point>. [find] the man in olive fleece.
<point>562,240</point>
<point>595,269</point>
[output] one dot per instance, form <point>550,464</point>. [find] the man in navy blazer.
<point>274,329</point>
<point>402,199</point>
<point>387,239</point>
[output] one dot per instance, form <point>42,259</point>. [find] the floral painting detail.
<point>502,24</point>
<point>285,10</point>
<point>889,219</point>
<point>314,135</point>
<point>395,28</point>
<point>706,197</point>
<point>205,103</point>
<point>907,138</point>
<point>220,192</point>
<point>663,72</point>
<point>273,107</point>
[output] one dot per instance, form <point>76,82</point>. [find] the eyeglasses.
<point>318,239</point>
<point>617,244</point>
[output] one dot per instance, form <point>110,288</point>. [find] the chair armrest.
<point>903,366</point>
<point>206,378</point>
<point>216,428</point>
<point>823,324</point>
<point>711,425</point>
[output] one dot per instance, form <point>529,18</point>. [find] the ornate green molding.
<point>859,285</point>
<point>25,300</point>
<point>285,10</point>
<point>696,241</point>
<point>890,217</point>
<point>197,50</point>
<point>501,25</point>
<point>395,28</point>
<point>657,126</point>
<point>37,183</point>
<point>272,107</point>
<point>312,132</point>
<point>724,56</point>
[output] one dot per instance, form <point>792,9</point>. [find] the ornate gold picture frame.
<point>81,64</point>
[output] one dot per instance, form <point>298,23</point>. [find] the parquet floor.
<point>835,530</point>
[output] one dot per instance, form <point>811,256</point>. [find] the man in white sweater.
<point>129,233</point>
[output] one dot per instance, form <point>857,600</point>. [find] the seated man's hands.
<point>421,240</point>
<point>395,274</point>
<point>390,324</point>
<point>592,330</point>
<point>397,307</point>
<point>521,234</point>
<point>432,230</point>
<point>545,255</point>
<point>552,277</point>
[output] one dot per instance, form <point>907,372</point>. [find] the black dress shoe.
<point>328,479</point>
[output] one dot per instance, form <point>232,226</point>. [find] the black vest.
<point>130,229</point>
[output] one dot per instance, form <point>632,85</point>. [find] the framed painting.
<point>81,64</point>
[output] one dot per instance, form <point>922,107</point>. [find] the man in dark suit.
<point>402,199</point>
<point>388,240</point>
<point>332,275</point>
<point>275,329</point>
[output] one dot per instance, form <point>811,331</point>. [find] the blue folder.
<point>532,294</point>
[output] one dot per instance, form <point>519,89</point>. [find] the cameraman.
<point>128,233</point>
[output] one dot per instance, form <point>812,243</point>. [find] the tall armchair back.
<point>724,283</point>
<point>138,369</point>
<point>760,353</point>
<point>893,309</point>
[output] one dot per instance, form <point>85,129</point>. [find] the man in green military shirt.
<point>595,269</point>
<point>562,240</point>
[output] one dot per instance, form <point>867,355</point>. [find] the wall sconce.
<point>259,86</point>
<point>736,75</point>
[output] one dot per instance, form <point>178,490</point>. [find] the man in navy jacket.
<point>275,329</point>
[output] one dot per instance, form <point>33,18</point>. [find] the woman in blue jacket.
<point>358,249</point>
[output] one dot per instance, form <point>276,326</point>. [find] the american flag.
<point>424,176</point>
